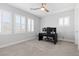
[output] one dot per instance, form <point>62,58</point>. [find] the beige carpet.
<point>40,48</point>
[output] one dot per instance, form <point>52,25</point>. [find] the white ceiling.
<point>53,8</point>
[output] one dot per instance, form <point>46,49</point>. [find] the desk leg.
<point>40,38</point>
<point>55,40</point>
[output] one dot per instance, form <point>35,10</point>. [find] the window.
<point>17,23</point>
<point>23,24</point>
<point>0,21</point>
<point>30,25</point>
<point>32,28</point>
<point>64,21</point>
<point>61,22</point>
<point>20,23</point>
<point>5,22</point>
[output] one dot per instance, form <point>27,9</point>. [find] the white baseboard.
<point>17,42</point>
<point>68,40</point>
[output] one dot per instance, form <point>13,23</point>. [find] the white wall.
<point>66,32</point>
<point>76,24</point>
<point>12,38</point>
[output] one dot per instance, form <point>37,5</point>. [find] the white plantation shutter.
<point>20,23</point>
<point>23,23</point>
<point>61,22</point>
<point>32,21</point>
<point>5,22</point>
<point>30,25</point>
<point>17,23</point>
<point>0,21</point>
<point>64,21</point>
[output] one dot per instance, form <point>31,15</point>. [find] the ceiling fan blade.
<point>46,10</point>
<point>34,8</point>
<point>44,4</point>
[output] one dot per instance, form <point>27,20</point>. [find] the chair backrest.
<point>48,30</point>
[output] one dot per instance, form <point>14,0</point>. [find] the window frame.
<point>20,24</point>
<point>64,21</point>
<point>30,25</point>
<point>2,23</point>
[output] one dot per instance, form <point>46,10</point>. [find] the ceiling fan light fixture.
<point>42,9</point>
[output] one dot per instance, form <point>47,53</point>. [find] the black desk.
<point>54,37</point>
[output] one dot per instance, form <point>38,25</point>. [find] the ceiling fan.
<point>43,7</point>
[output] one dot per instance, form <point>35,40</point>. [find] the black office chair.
<point>49,31</point>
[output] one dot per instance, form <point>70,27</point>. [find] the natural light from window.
<point>5,22</point>
<point>30,25</point>
<point>61,22</point>
<point>64,21</point>
<point>20,24</point>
